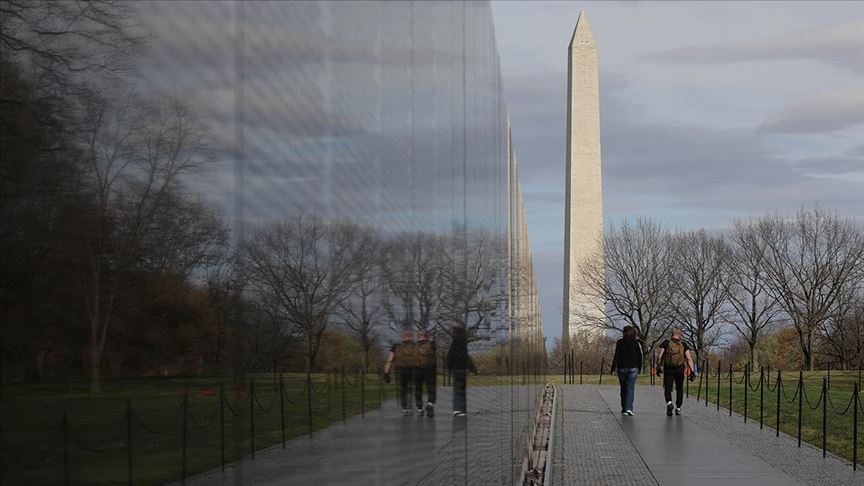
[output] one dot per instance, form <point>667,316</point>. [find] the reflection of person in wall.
<point>425,373</point>
<point>459,363</point>
<point>402,354</point>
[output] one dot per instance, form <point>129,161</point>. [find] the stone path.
<point>594,445</point>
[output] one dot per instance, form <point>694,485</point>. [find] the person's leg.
<point>459,399</point>
<point>419,377</point>
<point>404,384</point>
<point>679,389</point>
<point>631,389</point>
<point>622,381</point>
<point>431,384</point>
<point>668,381</point>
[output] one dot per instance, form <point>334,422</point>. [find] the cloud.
<point>840,45</point>
<point>822,114</point>
<point>846,163</point>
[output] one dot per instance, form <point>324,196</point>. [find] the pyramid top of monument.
<point>582,31</point>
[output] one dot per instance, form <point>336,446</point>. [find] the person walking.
<point>425,373</point>
<point>459,363</point>
<point>628,362</point>
<point>675,357</point>
<point>402,355</point>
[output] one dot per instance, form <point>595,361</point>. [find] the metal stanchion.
<point>129,441</point>
<point>222,424</point>
<point>779,385</point>
<point>824,414</point>
<point>343,394</point>
<point>730,389</point>
<point>800,402</point>
<point>746,389</point>
<point>65,448</point>
<point>252,418</point>
<point>602,369</point>
<point>719,377</point>
<point>855,428</point>
<point>185,436</point>
<point>761,396</point>
<point>580,371</point>
<point>282,408</point>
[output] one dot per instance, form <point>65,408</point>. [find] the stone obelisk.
<point>583,210</point>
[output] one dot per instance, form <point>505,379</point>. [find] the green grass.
<point>33,447</point>
<point>839,437</point>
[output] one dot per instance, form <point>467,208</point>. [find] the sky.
<point>710,111</point>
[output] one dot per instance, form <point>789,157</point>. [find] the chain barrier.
<point>197,424</point>
<point>807,399</point>
<point>48,450</point>
<point>848,405</point>
<point>95,450</point>
<point>758,382</point>
<point>797,391</point>
<point>230,408</point>
<point>262,407</point>
<point>153,430</point>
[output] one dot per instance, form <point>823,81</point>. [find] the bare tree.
<point>301,270</point>
<point>700,287</point>
<point>411,268</point>
<point>754,307</point>
<point>363,311</point>
<point>633,280</point>
<point>469,290</point>
<point>842,333</point>
<point>812,258</point>
<point>136,153</point>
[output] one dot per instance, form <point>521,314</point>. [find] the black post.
<point>222,424</point>
<point>282,407</point>
<point>309,401</point>
<point>707,373</point>
<point>252,417</point>
<point>719,377</point>
<point>730,389</point>
<point>800,402</point>
<point>746,389</point>
<point>129,441</point>
<point>855,428</point>
<point>65,448</point>
<point>602,369</point>
<point>580,371</point>
<point>185,435</point>
<point>829,376</point>
<point>778,384</point>
<point>761,395</point>
<point>824,413</point>
<point>362,397</point>
<point>343,394</point>
<point>699,388</point>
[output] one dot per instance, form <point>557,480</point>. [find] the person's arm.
<point>641,356</point>
<point>615,358</point>
<point>689,357</point>
<point>390,357</point>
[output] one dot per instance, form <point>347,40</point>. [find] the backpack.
<point>424,353</point>
<point>674,355</point>
<point>405,355</point>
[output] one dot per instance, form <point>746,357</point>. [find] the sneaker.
<point>406,412</point>
<point>430,409</point>
<point>628,413</point>
<point>677,410</point>
<point>460,414</point>
<point>669,408</point>
<point>456,412</point>
<point>419,412</point>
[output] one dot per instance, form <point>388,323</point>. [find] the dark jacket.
<point>457,356</point>
<point>628,354</point>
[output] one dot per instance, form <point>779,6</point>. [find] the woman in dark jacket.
<point>459,363</point>
<point>628,363</point>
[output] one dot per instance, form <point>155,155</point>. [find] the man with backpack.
<point>674,358</point>
<point>425,373</point>
<point>403,356</point>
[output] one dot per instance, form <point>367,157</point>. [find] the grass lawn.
<point>97,440</point>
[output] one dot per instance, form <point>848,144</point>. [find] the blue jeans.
<point>627,379</point>
<point>459,384</point>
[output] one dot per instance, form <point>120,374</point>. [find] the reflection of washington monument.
<point>583,210</point>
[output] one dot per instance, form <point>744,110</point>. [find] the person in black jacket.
<point>459,363</point>
<point>628,363</point>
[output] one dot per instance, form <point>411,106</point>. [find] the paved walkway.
<point>595,445</point>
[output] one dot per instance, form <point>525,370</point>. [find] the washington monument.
<point>583,211</point>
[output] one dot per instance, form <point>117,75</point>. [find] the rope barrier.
<point>737,382</point>
<point>758,383</point>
